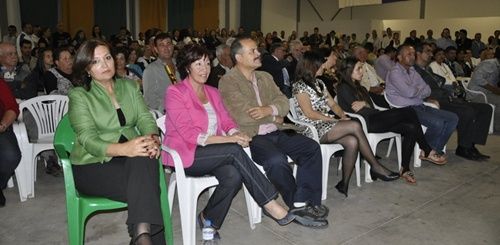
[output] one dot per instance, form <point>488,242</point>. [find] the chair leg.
<point>254,211</point>
<point>398,151</point>
<point>368,177</point>
<point>391,141</point>
<point>358,172</point>
<point>187,208</point>
<point>171,190</point>
<point>416,156</point>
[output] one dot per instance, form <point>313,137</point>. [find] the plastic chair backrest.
<point>64,140</point>
<point>179,168</point>
<point>47,110</point>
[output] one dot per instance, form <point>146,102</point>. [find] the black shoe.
<point>478,154</point>
<point>2,199</point>
<point>310,211</point>
<point>341,188</point>
<point>466,153</point>
<point>391,177</point>
<point>321,210</point>
<point>289,217</point>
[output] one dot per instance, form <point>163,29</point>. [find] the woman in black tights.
<point>352,97</point>
<point>313,104</point>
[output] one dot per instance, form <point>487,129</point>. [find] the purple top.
<point>405,87</point>
<point>383,65</point>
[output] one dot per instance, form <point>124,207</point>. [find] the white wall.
<point>279,15</point>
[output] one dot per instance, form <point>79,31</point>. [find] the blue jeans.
<point>440,125</point>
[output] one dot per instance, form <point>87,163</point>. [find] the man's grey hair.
<point>220,50</point>
<point>294,43</point>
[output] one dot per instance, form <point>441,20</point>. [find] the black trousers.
<point>403,121</point>
<point>231,166</point>
<point>271,150</point>
<point>379,100</point>
<point>10,156</point>
<point>134,180</point>
<point>473,121</point>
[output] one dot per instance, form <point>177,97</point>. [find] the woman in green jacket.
<point>117,145</point>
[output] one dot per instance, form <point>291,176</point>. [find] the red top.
<point>7,100</point>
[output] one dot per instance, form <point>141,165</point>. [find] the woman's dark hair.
<point>121,50</point>
<point>83,60</point>
<point>96,35</point>
<point>189,54</point>
<point>345,73</point>
<point>307,67</point>
<point>40,66</point>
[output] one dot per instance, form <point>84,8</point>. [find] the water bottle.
<point>208,233</point>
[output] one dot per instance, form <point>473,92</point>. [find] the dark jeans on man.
<point>231,166</point>
<point>473,121</point>
<point>440,125</point>
<point>10,156</point>
<point>271,151</point>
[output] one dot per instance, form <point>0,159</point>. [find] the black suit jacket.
<point>275,68</point>
<point>215,74</point>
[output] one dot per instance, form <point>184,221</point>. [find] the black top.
<point>123,121</point>
<point>346,95</point>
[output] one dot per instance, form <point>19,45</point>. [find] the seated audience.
<point>352,97</point>
<point>146,58</point>
<point>405,87</point>
<point>445,41</point>
<point>121,56</point>
<point>439,67</point>
<point>486,78</point>
<point>58,79</point>
<point>15,74</point>
<point>9,152</point>
<point>313,104</point>
<point>11,35</point>
<point>477,45</point>
<point>258,106</point>
<point>199,128</point>
<point>223,54</point>
<point>295,54</point>
<point>116,140</point>
<point>412,40</point>
<point>385,62</point>
<point>159,74</point>
<point>26,59</point>
<point>273,64</point>
<point>44,63</point>
<point>370,80</point>
<point>473,118</point>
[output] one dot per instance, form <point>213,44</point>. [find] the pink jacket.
<point>186,118</point>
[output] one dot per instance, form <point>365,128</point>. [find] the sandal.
<point>409,177</point>
<point>434,157</point>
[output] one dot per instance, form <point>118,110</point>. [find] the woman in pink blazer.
<point>200,129</point>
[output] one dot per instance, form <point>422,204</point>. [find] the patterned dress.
<point>319,104</point>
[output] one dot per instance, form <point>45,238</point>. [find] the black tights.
<point>350,135</point>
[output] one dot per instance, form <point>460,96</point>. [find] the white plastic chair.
<point>24,171</point>
<point>47,111</point>
<point>465,82</point>
<point>188,190</point>
<point>375,138</point>
<point>327,150</point>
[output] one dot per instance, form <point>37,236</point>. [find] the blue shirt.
<point>405,87</point>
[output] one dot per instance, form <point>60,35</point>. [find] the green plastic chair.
<point>80,207</point>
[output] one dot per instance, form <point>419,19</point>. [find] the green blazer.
<point>94,119</point>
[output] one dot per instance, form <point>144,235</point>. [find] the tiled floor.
<point>454,204</point>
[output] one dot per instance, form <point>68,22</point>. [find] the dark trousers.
<point>271,150</point>
<point>10,156</point>
<point>473,121</point>
<point>134,180</point>
<point>231,166</point>
<point>403,121</point>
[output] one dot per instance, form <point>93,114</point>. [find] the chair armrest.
<point>179,167</point>
<point>310,126</point>
<point>361,120</point>
<point>431,105</point>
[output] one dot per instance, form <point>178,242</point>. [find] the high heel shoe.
<point>391,177</point>
<point>342,188</point>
